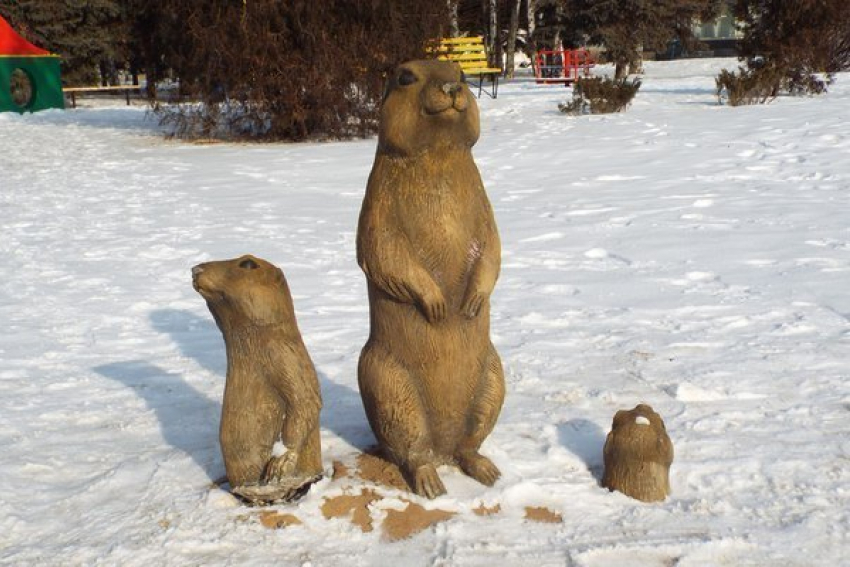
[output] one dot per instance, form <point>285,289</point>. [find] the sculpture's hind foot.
<point>426,482</point>
<point>280,467</point>
<point>285,490</point>
<point>479,467</point>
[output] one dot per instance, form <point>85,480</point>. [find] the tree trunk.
<point>491,16</point>
<point>636,64</point>
<point>485,18</point>
<point>621,69</point>
<point>530,43</point>
<point>150,81</point>
<point>454,27</point>
<point>512,33</point>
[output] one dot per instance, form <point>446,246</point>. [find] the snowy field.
<point>688,255</point>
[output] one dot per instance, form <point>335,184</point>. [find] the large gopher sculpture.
<point>270,416</point>
<point>638,454</point>
<point>430,379</point>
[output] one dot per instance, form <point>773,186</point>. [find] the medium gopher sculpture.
<point>430,379</point>
<point>270,416</point>
<point>638,454</point>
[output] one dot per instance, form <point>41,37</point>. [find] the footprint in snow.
<point>602,254</point>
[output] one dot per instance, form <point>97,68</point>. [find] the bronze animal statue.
<point>431,380</point>
<point>270,416</point>
<point>638,454</point>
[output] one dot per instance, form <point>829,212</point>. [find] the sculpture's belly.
<point>251,418</point>
<point>442,238</point>
<point>445,361</point>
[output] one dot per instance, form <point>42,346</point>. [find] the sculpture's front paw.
<point>434,307</point>
<point>472,304</point>
<point>280,467</point>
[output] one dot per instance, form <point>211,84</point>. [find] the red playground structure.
<point>553,66</point>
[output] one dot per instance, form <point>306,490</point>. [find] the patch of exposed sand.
<point>483,510</point>
<point>356,505</point>
<point>367,481</point>
<point>277,520</point>
<point>542,514</point>
<point>401,524</point>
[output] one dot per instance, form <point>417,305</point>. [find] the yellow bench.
<point>471,55</point>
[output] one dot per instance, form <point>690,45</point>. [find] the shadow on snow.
<point>189,418</point>
<point>584,439</point>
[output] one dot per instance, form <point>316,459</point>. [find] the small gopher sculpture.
<point>271,395</point>
<point>430,379</point>
<point>638,454</point>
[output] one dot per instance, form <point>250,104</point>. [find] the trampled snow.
<point>692,256</point>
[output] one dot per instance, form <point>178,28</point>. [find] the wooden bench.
<point>126,89</point>
<point>471,55</point>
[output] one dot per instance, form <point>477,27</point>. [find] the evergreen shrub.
<point>789,48</point>
<point>600,95</point>
<point>760,84</point>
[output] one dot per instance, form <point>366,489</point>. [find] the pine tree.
<point>808,36</point>
<point>156,39</point>
<point>786,47</point>
<point>626,27</point>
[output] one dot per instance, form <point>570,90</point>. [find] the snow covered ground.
<point>692,256</point>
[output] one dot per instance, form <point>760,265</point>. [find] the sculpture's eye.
<point>248,264</point>
<point>407,78</point>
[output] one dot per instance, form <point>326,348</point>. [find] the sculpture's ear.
<point>388,87</point>
<point>644,410</point>
<point>650,414</point>
<point>620,418</point>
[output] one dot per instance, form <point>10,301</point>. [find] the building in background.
<point>720,36</point>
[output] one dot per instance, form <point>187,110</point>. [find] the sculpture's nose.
<point>452,89</point>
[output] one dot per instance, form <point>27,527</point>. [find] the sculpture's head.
<point>242,292</point>
<point>640,432</point>
<point>427,105</point>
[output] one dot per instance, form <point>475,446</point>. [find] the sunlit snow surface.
<point>692,256</point>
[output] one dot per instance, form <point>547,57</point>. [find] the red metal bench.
<point>553,66</point>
